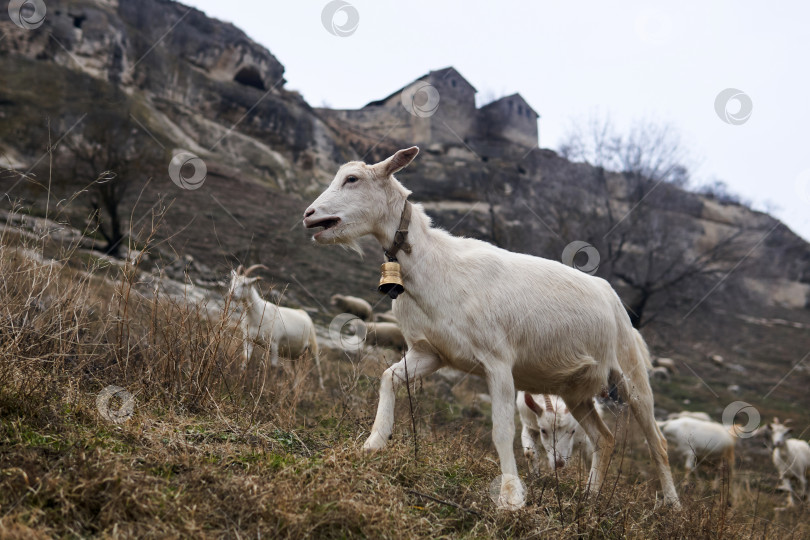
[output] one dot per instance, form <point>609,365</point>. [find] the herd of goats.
<point>545,337</point>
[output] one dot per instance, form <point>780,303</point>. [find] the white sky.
<point>631,60</point>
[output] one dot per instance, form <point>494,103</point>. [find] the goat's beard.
<point>342,236</point>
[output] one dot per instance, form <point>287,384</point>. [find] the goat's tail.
<point>315,351</point>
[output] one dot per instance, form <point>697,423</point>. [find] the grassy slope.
<point>213,452</point>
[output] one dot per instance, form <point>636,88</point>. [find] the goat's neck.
<point>257,307</point>
<point>426,247</point>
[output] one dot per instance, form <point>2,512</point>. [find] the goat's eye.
<point>544,432</point>
<point>350,180</point>
<point>573,431</point>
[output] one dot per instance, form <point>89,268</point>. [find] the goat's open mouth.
<point>326,224</point>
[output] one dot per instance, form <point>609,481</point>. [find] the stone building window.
<point>453,82</point>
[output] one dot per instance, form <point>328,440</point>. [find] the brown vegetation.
<point>212,452</point>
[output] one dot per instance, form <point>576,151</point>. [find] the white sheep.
<point>516,320</point>
<point>791,458</point>
<point>279,328</point>
<point>700,440</point>
<point>352,304</point>
<point>545,417</point>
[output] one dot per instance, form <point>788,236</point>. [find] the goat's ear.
<point>531,404</point>
<point>397,162</point>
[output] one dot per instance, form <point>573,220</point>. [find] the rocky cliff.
<point>167,78</point>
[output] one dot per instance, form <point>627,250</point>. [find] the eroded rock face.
<point>110,40</point>
<point>186,78</point>
<point>183,81</point>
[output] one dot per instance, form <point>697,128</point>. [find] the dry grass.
<point>213,452</point>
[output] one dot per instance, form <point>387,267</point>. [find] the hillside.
<point>105,85</point>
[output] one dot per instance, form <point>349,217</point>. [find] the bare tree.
<point>650,150</point>
<point>110,154</point>
<point>636,216</point>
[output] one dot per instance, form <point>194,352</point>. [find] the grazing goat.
<point>667,363</point>
<point>702,440</point>
<point>516,320</point>
<point>352,304</point>
<point>290,330</point>
<point>388,316</point>
<point>659,374</point>
<point>791,458</point>
<point>560,434</point>
<point>384,334</point>
<point>690,414</point>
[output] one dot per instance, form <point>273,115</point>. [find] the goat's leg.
<point>528,438</point>
<point>790,502</point>
<point>689,465</point>
<point>502,390</point>
<point>318,369</point>
<point>802,491</point>
<point>601,437</point>
<point>247,351</point>
<point>421,360</point>
<point>274,354</point>
<point>634,387</point>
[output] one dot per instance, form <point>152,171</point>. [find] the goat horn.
<point>239,270</point>
<point>254,267</point>
<point>549,406</point>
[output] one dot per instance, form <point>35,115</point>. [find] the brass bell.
<point>391,280</point>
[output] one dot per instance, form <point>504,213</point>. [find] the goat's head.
<point>558,429</point>
<point>241,281</point>
<point>360,200</point>
<point>778,433</point>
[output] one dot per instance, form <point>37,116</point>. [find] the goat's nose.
<point>559,464</point>
<point>309,212</point>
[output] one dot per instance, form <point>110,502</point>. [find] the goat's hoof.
<point>374,442</point>
<point>672,502</point>
<point>511,497</point>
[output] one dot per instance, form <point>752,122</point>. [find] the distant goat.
<point>383,334</point>
<point>388,316</point>
<point>660,374</point>
<point>547,418</point>
<point>702,440</point>
<point>667,363</point>
<point>518,321</point>
<point>352,304</point>
<point>690,414</point>
<point>279,328</point>
<point>791,458</point>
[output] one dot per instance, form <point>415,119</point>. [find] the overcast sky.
<point>631,60</point>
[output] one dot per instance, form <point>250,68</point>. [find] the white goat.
<point>791,458</point>
<point>660,374</point>
<point>668,363</point>
<point>516,320</point>
<point>352,304</point>
<point>384,334</point>
<point>690,414</point>
<point>700,440</point>
<point>290,330</point>
<point>388,316</point>
<point>545,417</point>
